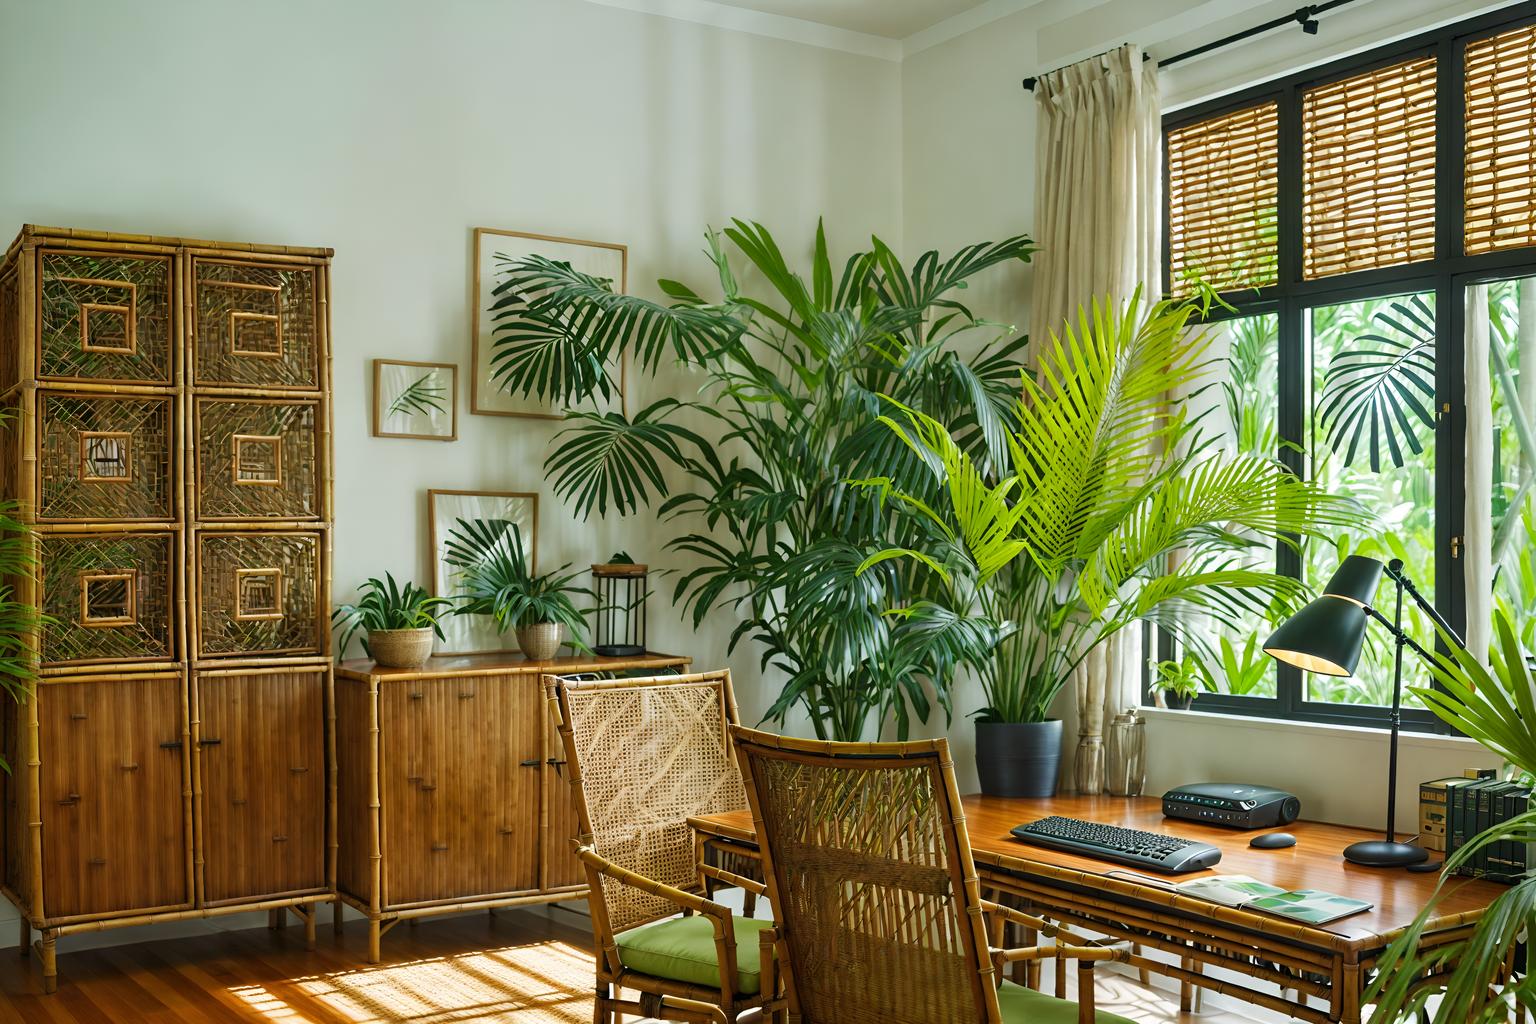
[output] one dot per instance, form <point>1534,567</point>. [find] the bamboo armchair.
<point>875,897</point>
<point>644,755</point>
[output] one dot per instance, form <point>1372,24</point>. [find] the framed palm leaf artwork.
<point>417,400</point>
<point>453,515</point>
<point>501,386</point>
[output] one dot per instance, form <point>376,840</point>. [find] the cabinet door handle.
<point>532,763</point>
<point>413,778</point>
<point>70,800</point>
<point>171,745</point>
<point>77,716</point>
<point>129,767</point>
<point>466,694</point>
<point>239,801</point>
<point>298,769</point>
<point>428,786</point>
<point>417,695</point>
<point>279,839</point>
<point>209,743</point>
<point>439,847</point>
<point>97,862</point>
<point>505,830</point>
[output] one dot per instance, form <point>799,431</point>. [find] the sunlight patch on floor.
<point>541,982</point>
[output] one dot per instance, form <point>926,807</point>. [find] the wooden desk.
<point>1293,961</point>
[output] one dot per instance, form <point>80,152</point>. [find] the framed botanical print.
<point>494,250</point>
<point>475,634</point>
<point>418,400</point>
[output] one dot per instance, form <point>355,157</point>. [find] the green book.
<point>1492,858</point>
<point>1464,816</point>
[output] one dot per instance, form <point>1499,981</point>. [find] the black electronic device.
<point>1273,841</point>
<point>1225,803</point>
<point>1153,850</point>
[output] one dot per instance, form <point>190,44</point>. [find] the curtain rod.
<point>1306,17</point>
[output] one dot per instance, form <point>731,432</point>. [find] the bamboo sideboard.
<point>168,439</point>
<point>444,770</point>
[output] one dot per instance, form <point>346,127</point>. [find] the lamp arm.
<point>1395,570</point>
<point>1401,635</point>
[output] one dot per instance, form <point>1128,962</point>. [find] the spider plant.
<point>1493,704</point>
<point>755,470</point>
<point>493,579</point>
<point>386,604</point>
<point>1113,507</point>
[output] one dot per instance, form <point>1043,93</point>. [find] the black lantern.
<point>618,623</point>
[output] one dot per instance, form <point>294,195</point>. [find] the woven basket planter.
<point>540,641</point>
<point>400,648</point>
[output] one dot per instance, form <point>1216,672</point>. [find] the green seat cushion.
<point>683,949</point>
<point>1026,1006</point>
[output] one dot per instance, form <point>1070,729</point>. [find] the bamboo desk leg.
<point>311,923</point>
<point>375,938</point>
<point>1352,994</point>
<point>47,956</point>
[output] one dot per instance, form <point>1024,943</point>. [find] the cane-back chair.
<point>875,896</point>
<point>644,755</point>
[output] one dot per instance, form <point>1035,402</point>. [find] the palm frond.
<point>608,460</point>
<point>1383,394</point>
<point>422,396</point>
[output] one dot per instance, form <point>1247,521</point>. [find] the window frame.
<point>1291,298</point>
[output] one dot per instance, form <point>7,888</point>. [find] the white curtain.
<point>1098,221</point>
<point>1477,545</point>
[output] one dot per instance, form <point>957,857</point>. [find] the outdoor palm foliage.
<point>1112,508</point>
<point>1495,706</point>
<point>754,471</point>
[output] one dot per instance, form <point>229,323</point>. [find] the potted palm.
<point>399,622</point>
<point>494,579</point>
<point>1111,509</point>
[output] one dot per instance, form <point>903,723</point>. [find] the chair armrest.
<point>1002,957</point>
<point>731,878</point>
<point>1018,917</point>
<point>683,899</point>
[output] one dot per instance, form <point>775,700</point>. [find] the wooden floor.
<point>522,966</point>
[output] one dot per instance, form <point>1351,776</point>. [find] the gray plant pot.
<point>1018,758</point>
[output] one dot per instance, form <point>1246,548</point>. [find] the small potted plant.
<point>494,580</point>
<point>399,622</point>
<point>1177,682</point>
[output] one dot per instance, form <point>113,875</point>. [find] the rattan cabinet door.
<point>256,324</point>
<point>105,457</point>
<point>257,459</point>
<point>104,317</point>
<point>261,764</point>
<point>561,868</point>
<point>259,593</point>
<point>460,768</point>
<point>111,597</point>
<point>113,811</point>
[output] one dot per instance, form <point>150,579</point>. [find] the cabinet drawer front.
<point>460,773</point>
<point>111,596</point>
<point>255,324</point>
<point>256,459</point>
<point>105,316</point>
<point>258,593</point>
<point>103,457</point>
<point>113,810</point>
<point>261,766</point>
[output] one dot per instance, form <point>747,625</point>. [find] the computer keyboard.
<point>1168,854</point>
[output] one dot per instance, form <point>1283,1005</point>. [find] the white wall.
<point>968,168</point>
<point>389,129</point>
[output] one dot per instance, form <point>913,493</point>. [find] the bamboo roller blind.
<point>1501,142</point>
<point>1222,187</point>
<point>1368,170</point>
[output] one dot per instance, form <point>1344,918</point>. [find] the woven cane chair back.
<point>647,754</point>
<point>871,879</point>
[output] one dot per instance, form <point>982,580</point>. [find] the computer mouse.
<point>1273,841</point>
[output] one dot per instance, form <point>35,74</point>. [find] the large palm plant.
<point>1495,705</point>
<point>1114,507</point>
<point>755,468</point>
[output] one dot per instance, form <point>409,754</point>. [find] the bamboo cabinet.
<point>453,794</point>
<point>170,444</point>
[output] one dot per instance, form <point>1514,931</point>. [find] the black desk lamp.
<point>1325,637</point>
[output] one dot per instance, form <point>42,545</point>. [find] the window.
<point>1372,226</point>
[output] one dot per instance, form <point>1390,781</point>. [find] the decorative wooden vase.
<point>539,641</point>
<point>401,648</point>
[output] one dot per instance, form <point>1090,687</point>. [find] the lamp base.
<point>1381,853</point>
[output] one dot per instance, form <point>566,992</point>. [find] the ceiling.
<point>893,19</point>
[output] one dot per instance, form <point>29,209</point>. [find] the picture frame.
<point>415,400</point>
<point>474,634</point>
<point>602,259</point>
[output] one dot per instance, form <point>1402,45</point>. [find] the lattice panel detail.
<point>257,325</point>
<point>104,458</point>
<point>106,317</point>
<point>112,596</point>
<point>10,331</point>
<point>259,594</point>
<point>256,459</point>
<point>651,757</point>
<point>863,866</point>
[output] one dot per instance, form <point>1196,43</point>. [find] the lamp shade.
<point>1355,579</point>
<point>1324,637</point>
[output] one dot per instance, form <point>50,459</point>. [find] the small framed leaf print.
<point>417,400</point>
